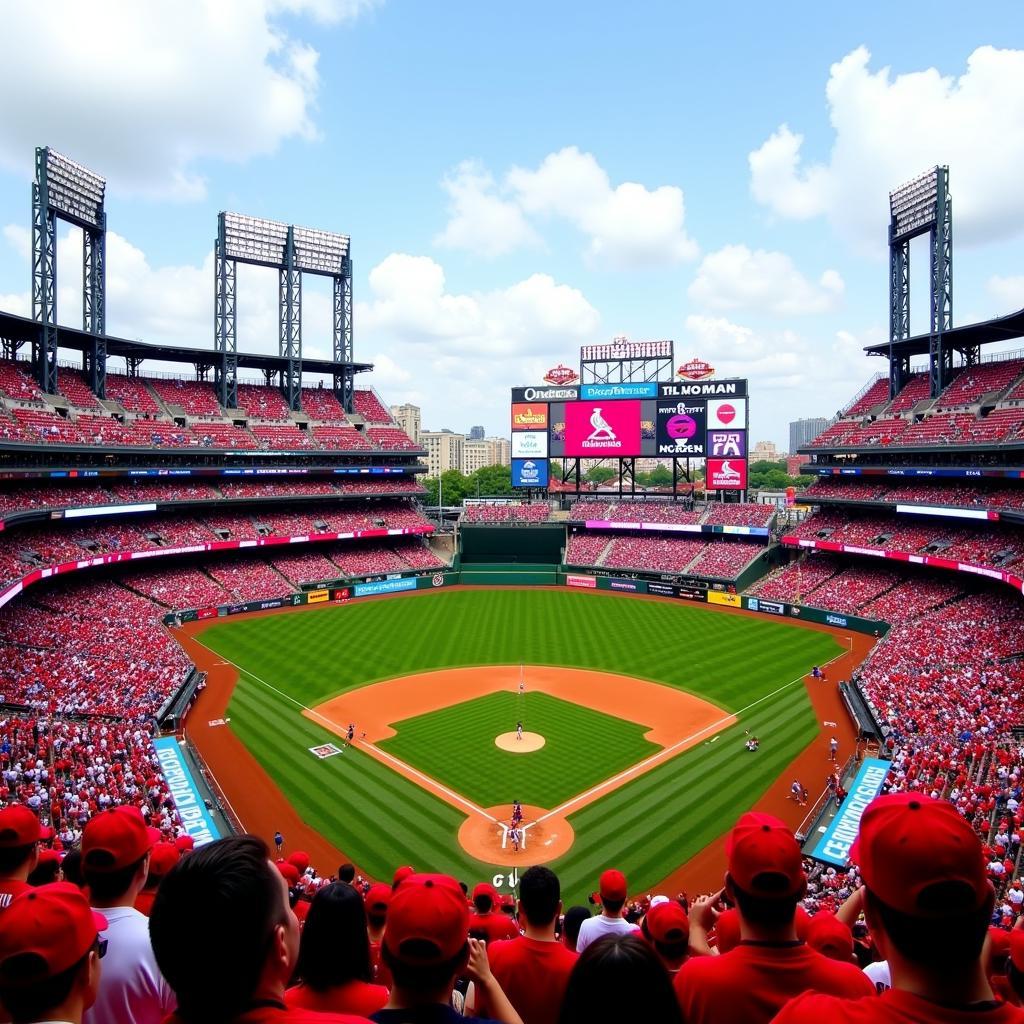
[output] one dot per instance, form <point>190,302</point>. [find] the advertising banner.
<point>530,444</point>
<point>726,475</point>
<point>317,596</point>
<point>702,389</point>
<point>384,587</point>
<point>529,416</point>
<point>834,845</point>
<point>693,593</point>
<point>662,589</point>
<point>187,799</point>
<point>631,586</point>
<point>601,429</point>
<point>545,394</point>
<point>730,600</point>
<point>586,582</point>
<point>639,389</point>
<point>757,604</point>
<point>727,413</point>
<point>529,472</point>
<point>727,444</point>
<point>681,427</point>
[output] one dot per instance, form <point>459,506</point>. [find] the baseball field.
<point>641,706</point>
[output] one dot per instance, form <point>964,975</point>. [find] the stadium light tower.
<point>292,251</point>
<point>922,206</point>
<point>65,190</point>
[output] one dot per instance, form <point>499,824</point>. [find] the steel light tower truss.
<point>65,190</point>
<point>922,206</point>
<point>292,251</point>
<point>625,361</point>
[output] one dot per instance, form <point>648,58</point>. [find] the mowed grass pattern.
<point>582,747</point>
<point>648,827</point>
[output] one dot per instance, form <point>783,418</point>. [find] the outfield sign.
<point>384,587</point>
<point>529,472</point>
<point>639,389</point>
<point>834,846</point>
<point>586,582</point>
<point>188,802</point>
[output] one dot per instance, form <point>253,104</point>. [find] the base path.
<point>516,744</point>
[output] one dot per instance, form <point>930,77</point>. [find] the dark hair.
<point>765,911</point>
<point>936,943</point>
<point>346,873</point>
<point>34,1000</point>
<point>44,873</point>
<point>416,978</point>
<point>334,946</point>
<point>71,867</point>
<point>614,906</point>
<point>539,892</point>
<point>107,886</point>
<point>1015,978</point>
<point>668,950</point>
<point>619,977</point>
<point>212,924</point>
<point>14,857</point>
<point>573,921</point>
<point>483,903</point>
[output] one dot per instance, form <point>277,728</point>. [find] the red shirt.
<point>144,901</point>
<point>278,1013</point>
<point>493,926</point>
<point>381,971</point>
<point>752,982</point>
<point>892,1007</point>
<point>9,888</point>
<point>533,974</point>
<point>352,997</point>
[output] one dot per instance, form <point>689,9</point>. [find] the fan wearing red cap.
<point>428,947</point>
<point>377,900</point>
<point>488,922</point>
<point>928,903</point>
<point>19,851</point>
<point>50,955</point>
<point>533,969</point>
<point>116,849</point>
<point>161,860</point>
<point>667,928</point>
<point>613,891</point>
<point>751,983</point>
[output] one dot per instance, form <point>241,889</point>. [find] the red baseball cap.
<point>612,885</point>
<point>828,935</point>
<point>54,925</point>
<point>1017,949</point>
<point>47,856</point>
<point>909,844</point>
<point>289,872</point>
<point>763,857</point>
<point>667,923</point>
<point>727,931</point>
<point>401,874</point>
<point>300,859</point>
<point>18,827</point>
<point>378,899</point>
<point>163,858</point>
<point>184,843</point>
<point>428,920</point>
<point>115,838</point>
<point>999,942</point>
<point>488,890</point>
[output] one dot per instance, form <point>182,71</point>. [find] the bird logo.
<point>602,431</point>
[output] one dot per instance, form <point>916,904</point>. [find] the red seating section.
<point>370,408</point>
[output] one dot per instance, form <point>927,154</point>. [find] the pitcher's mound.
<point>531,741</point>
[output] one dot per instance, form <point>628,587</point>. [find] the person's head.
<point>47,869</point>
<point>613,891</point>
<point>765,875</point>
<point>540,896</point>
<point>485,897</point>
<point>1015,962</point>
<point>49,954</point>
<point>830,937</point>
<point>667,928</point>
<point>116,844</point>
<point>619,977</point>
<point>571,924</point>
<point>401,874</point>
<point>426,942</point>
<point>162,858</point>
<point>19,841</point>
<point>222,930</point>
<point>334,947</point>
<point>71,867</point>
<point>346,873</point>
<point>377,900</point>
<point>927,897</point>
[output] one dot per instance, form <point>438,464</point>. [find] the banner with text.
<point>184,792</point>
<point>834,846</point>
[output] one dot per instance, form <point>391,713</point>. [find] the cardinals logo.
<point>602,431</point>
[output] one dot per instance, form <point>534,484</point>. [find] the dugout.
<point>511,554</point>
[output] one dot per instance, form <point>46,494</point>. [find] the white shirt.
<point>879,975</point>
<point>595,928</point>
<point>132,989</point>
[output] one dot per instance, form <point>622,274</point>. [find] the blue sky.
<point>519,181</point>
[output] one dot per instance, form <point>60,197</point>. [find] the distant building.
<point>486,451</point>
<point>444,450</point>
<point>408,418</point>
<point>764,451</point>
<point>794,462</point>
<point>802,432</point>
<point>477,433</point>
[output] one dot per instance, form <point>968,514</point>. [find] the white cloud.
<point>181,83</point>
<point>627,226</point>
<point>890,127</point>
<point>482,222</point>
<point>735,277</point>
<point>1008,291</point>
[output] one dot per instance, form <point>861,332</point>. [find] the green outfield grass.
<point>582,747</point>
<point>648,827</point>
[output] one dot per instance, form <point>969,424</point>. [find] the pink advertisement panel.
<point>726,474</point>
<point>600,429</point>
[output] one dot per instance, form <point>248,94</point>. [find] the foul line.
<point>382,755</point>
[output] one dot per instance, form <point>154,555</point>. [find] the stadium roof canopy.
<point>1004,328</point>
<point>22,329</point>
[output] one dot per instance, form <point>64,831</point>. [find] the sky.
<point>520,180</point>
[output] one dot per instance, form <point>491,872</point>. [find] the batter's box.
<point>325,750</point>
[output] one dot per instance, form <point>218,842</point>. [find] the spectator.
<point>116,846</point>
<point>50,953</point>
<point>619,978</point>
<point>161,860</point>
<point>571,924</point>
<point>19,851</point>
<point>612,888</point>
<point>377,900</point>
<point>334,957</point>
<point>427,946</point>
<point>226,939</point>
<point>534,968</point>
<point>928,903</point>
<point>752,982</point>
<point>489,923</point>
<point>666,927</point>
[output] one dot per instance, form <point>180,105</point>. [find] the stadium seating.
<point>322,405</point>
<point>660,554</point>
<point>340,438</point>
<point>586,548</point>
<point>16,381</point>
<point>915,390</point>
<point>195,397</point>
<point>724,559</point>
<point>370,408</point>
<point>930,492</point>
<point>248,579</point>
<point>73,387</point>
<point>514,512</point>
<point>282,436</point>
<point>740,514</point>
<point>391,439</point>
<point>131,393</point>
<point>974,382</point>
<point>262,402</point>
<point>875,395</point>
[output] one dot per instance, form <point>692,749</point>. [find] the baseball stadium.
<point>227,598</point>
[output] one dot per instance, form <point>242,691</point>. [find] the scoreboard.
<point>686,419</point>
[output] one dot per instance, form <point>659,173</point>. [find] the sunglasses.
<point>101,947</point>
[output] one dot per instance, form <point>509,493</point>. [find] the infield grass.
<point>647,827</point>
